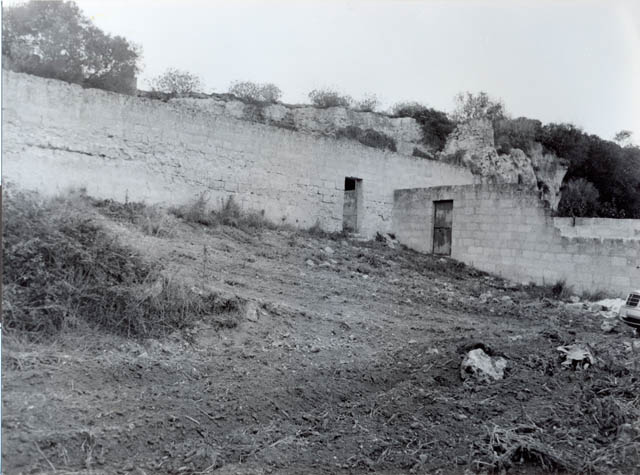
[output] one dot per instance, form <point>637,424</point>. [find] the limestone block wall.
<point>599,227</point>
<point>404,130</point>
<point>58,135</point>
<point>506,229</point>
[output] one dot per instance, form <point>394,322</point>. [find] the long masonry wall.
<point>505,229</point>
<point>57,136</point>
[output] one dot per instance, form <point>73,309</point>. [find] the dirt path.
<point>349,365</point>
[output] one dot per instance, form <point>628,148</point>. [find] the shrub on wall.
<point>516,133</point>
<point>175,81</point>
<point>435,125</point>
<point>54,39</point>
<point>477,106</point>
<point>369,103</point>
<point>255,92</point>
<point>329,98</point>
<point>368,137</point>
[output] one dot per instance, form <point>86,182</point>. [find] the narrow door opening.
<point>352,204</point>
<point>442,226</point>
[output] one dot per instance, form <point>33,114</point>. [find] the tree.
<point>623,138</point>
<point>579,198</point>
<point>477,106</point>
<point>255,92</point>
<point>175,81</point>
<point>54,39</point>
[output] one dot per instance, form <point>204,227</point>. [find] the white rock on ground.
<point>483,368</point>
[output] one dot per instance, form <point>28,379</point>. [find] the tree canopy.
<point>54,39</point>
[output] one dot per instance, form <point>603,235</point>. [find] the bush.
<point>612,169</point>
<point>435,125</point>
<point>254,92</point>
<point>477,106</point>
<point>174,81</point>
<point>62,268</point>
<point>54,39</point>
<point>325,98</point>
<point>368,137</point>
<point>579,198</point>
<point>229,214</point>
<point>516,133</point>
<point>369,103</point>
<point>150,219</point>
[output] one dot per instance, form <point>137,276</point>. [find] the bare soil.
<point>350,365</point>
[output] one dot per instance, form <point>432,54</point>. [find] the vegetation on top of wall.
<point>368,103</point>
<point>435,125</point>
<point>176,82</point>
<point>470,106</point>
<point>325,98</point>
<point>54,39</point>
<point>248,91</point>
<point>368,137</point>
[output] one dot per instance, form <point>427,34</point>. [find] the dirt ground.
<point>344,358</point>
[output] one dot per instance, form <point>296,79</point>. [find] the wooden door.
<point>442,225</point>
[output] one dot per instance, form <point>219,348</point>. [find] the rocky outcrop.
<point>472,144</point>
<point>404,130</point>
<point>550,171</point>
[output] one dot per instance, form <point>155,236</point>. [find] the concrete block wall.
<point>58,135</point>
<point>599,227</point>
<point>506,230</point>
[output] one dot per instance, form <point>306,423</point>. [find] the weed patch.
<point>61,268</point>
<point>229,214</point>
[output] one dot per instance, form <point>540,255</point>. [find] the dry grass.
<point>61,269</point>
<point>508,448</point>
<point>149,218</point>
<point>228,214</point>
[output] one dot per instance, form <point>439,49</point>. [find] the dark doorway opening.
<point>352,210</point>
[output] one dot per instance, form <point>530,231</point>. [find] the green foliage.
<point>175,81</point>
<point>325,98</point>
<point>477,106</point>
<point>62,268</point>
<point>54,39</point>
<point>516,133</point>
<point>368,137</point>
<point>579,198</point>
<point>255,92</point>
<point>612,169</point>
<point>435,125</point>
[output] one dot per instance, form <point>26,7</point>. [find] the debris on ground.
<point>315,369</point>
<point>479,366</point>
<point>577,356</point>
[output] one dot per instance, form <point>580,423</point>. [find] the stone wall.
<point>507,230</point>
<point>405,131</point>
<point>58,135</point>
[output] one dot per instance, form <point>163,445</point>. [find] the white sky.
<point>575,61</point>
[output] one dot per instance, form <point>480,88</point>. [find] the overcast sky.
<point>570,61</point>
